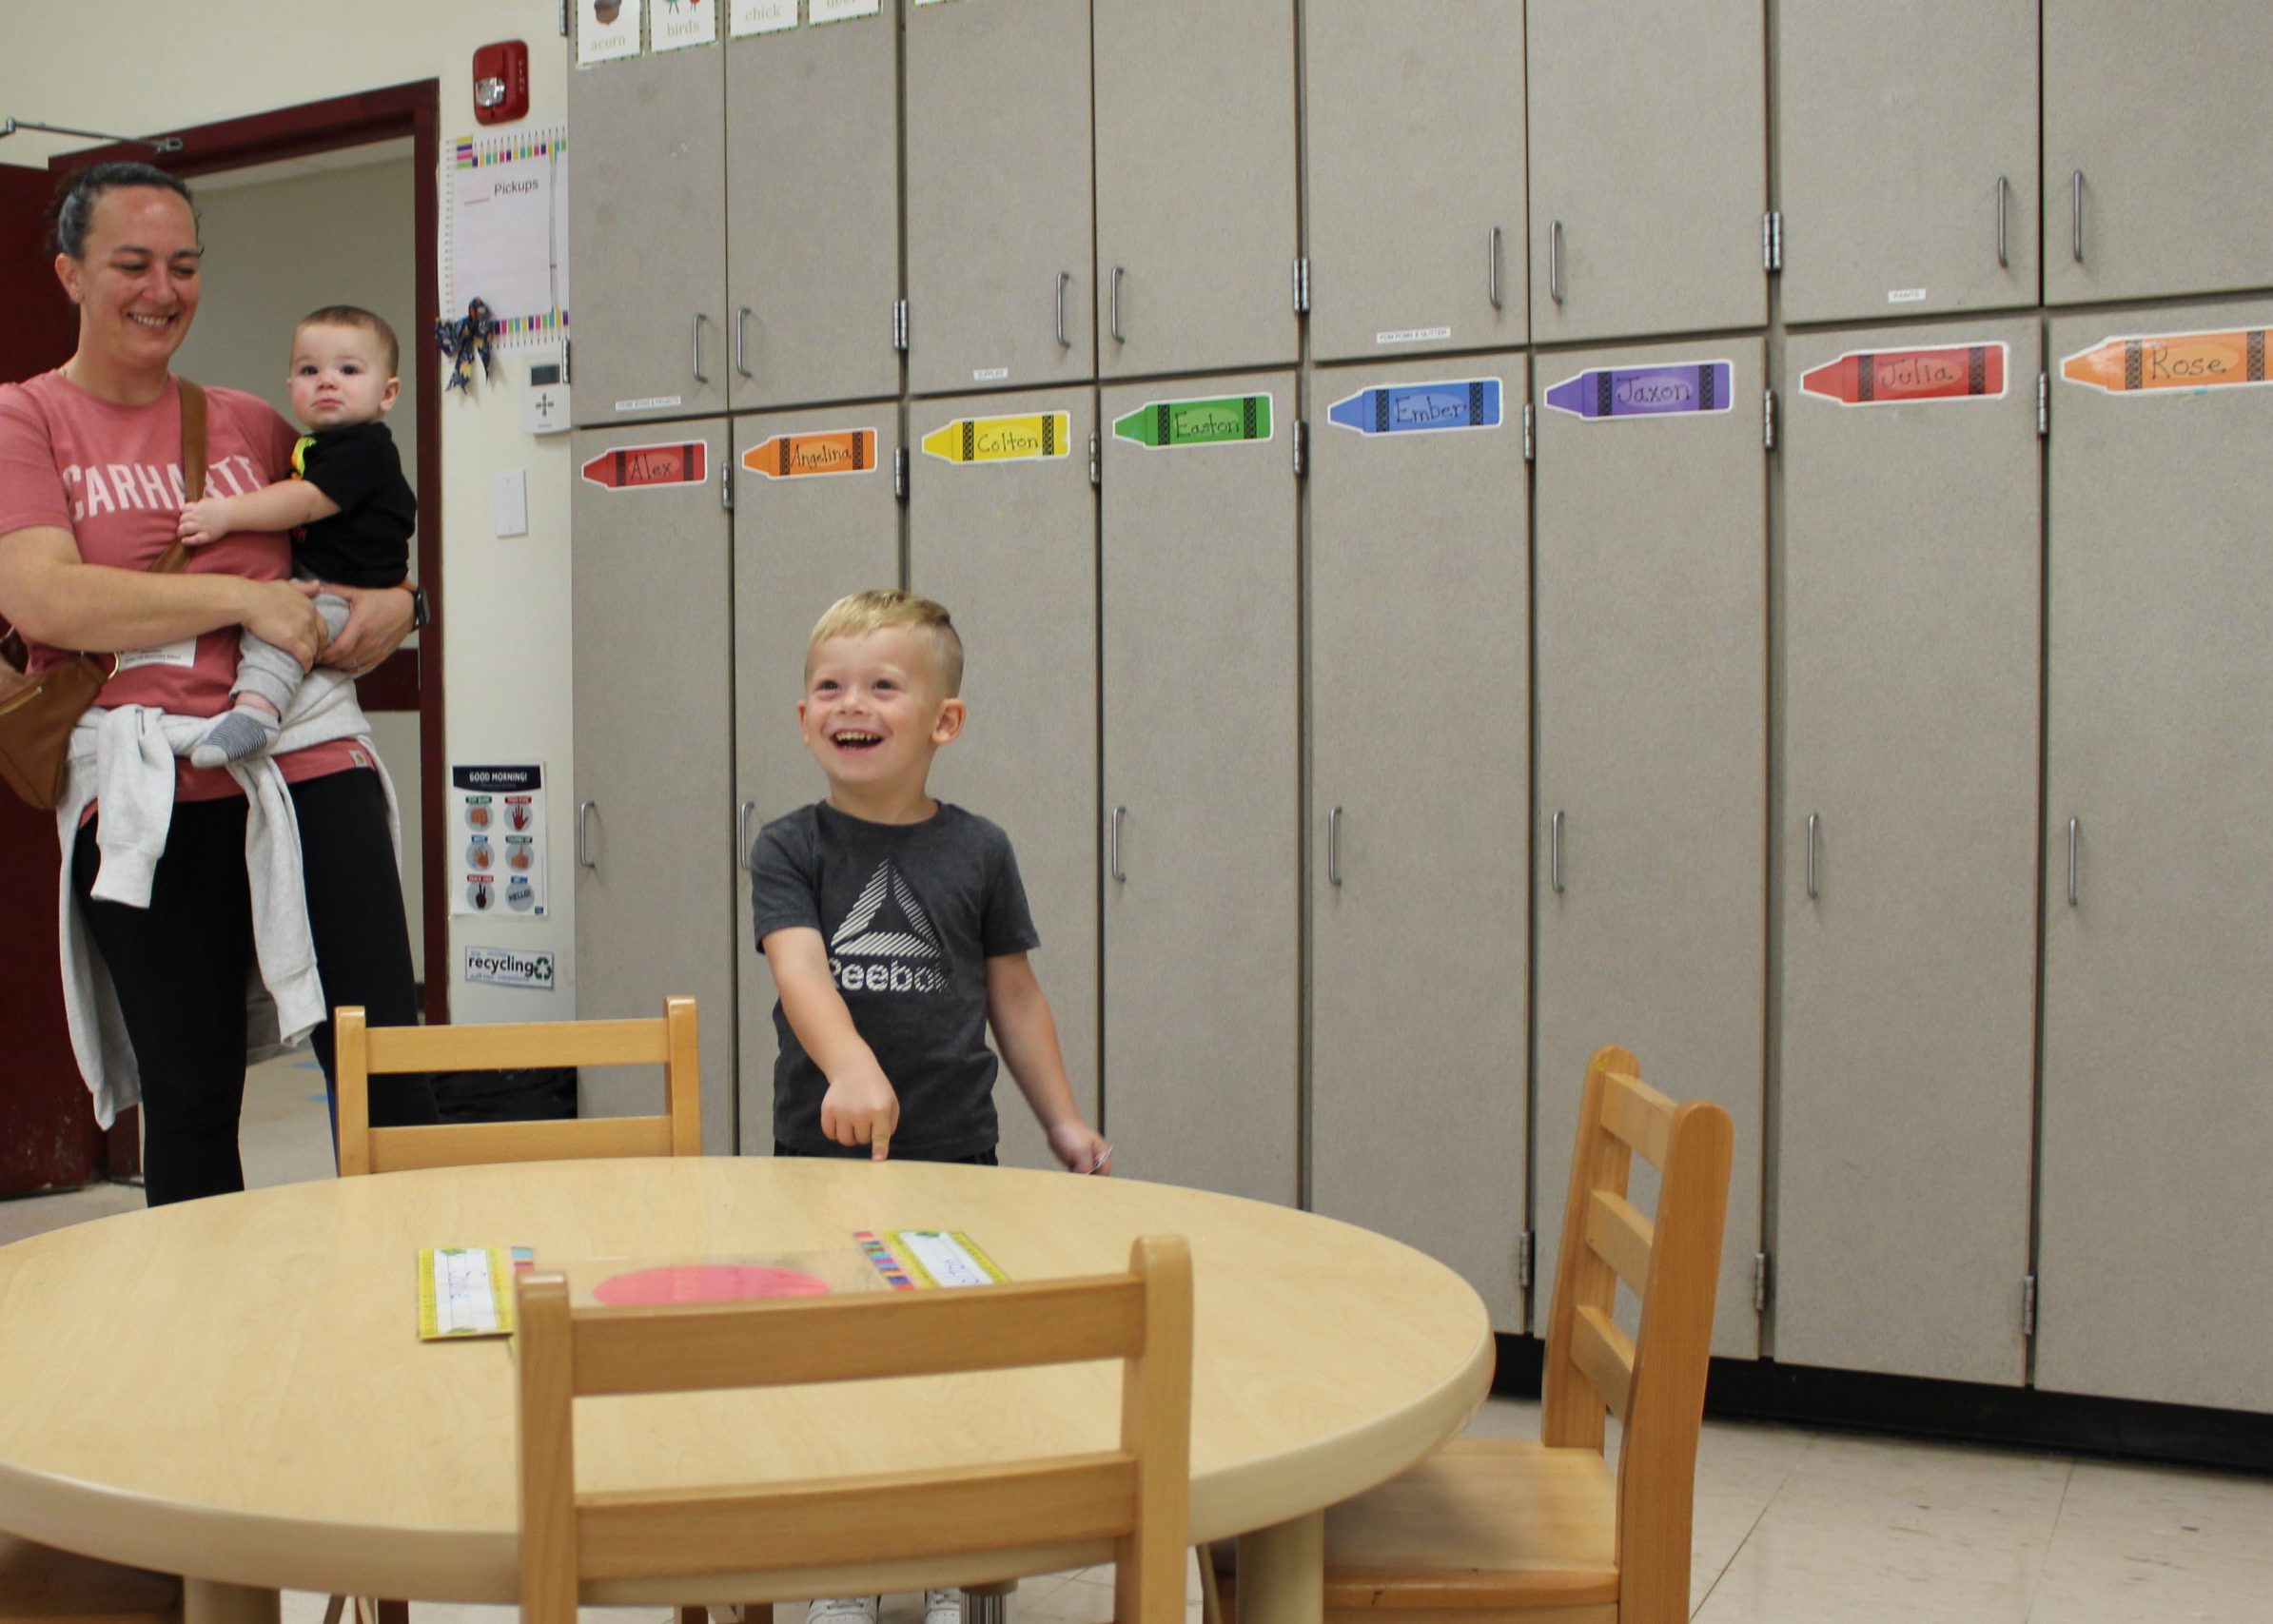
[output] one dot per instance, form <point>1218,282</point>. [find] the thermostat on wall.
<point>544,409</point>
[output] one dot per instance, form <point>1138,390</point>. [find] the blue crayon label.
<point>1419,408</point>
<point>1681,387</point>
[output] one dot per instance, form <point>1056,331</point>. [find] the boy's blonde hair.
<point>857,613</point>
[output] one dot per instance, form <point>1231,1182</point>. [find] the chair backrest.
<point>1656,1383</point>
<point>364,1051</point>
<point>1137,1495</point>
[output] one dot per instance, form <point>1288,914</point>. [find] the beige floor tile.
<point>1506,1417</point>
<point>2146,1545</point>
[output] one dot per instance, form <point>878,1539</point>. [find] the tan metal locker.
<point>1908,698</point>
<point>2158,135</point>
<point>1195,187</point>
<point>2157,1122</point>
<point>1907,138</point>
<point>812,235</point>
<point>1011,549</point>
<point>1648,855</point>
<point>815,517</point>
<point>1420,784</point>
<point>1202,907</point>
<point>1414,119</point>
<point>653,820</point>
<point>1649,167</point>
<point>998,217</point>
<point>647,234</point>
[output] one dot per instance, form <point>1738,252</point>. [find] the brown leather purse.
<point>38,712</point>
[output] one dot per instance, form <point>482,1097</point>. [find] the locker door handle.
<point>584,835</point>
<point>1554,262</point>
<point>700,377</point>
<point>2076,215</point>
<point>1555,853</point>
<point>1490,269</point>
<point>1334,847</point>
<point>741,324</point>
<point>1812,821</point>
<point>1113,305</point>
<point>2074,829</point>
<point>741,835</point>
<point>1064,276</point>
<point>2003,192</point>
<point>1113,845</point>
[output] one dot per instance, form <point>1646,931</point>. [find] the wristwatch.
<point>420,612</point>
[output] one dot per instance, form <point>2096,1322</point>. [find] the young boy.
<point>348,502</point>
<point>897,931</point>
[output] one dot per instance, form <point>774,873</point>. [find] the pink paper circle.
<point>708,1282</point>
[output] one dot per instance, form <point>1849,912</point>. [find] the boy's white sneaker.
<point>942,1606</point>
<point>842,1610</point>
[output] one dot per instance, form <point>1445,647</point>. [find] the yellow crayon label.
<point>2171,360</point>
<point>1025,438</point>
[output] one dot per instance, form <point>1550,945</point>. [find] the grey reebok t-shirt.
<point>910,914</point>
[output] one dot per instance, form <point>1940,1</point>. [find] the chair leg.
<point>988,1603</point>
<point>1211,1594</point>
<point>694,1615</point>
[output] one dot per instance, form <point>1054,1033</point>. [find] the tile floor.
<point>1793,1526</point>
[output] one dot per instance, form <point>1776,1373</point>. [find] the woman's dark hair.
<point>74,203</point>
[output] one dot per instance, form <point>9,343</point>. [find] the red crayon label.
<point>642,467</point>
<point>1885,378</point>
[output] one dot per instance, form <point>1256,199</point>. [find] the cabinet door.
<point>2157,137</point>
<point>1415,121</point>
<point>652,606</point>
<point>1648,168</point>
<point>1912,605</point>
<point>1011,549</point>
<point>1650,583</point>
<point>1420,775</point>
<point>813,205</point>
<point>2158,1124</point>
<point>1201,893</point>
<point>1907,133</point>
<point>1195,185</point>
<point>999,251</point>
<point>647,237</point>
<point>814,518</point>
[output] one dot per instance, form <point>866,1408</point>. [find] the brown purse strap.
<point>193,466</point>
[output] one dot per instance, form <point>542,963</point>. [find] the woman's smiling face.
<point>136,285</point>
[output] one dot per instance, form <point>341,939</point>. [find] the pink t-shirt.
<point>111,475</point>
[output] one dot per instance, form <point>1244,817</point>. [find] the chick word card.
<point>467,1291</point>
<point>909,1259</point>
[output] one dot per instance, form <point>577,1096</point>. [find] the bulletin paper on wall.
<point>505,233</point>
<point>497,830</point>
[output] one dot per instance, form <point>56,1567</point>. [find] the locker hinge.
<point>1771,240</point>
<point>899,325</point>
<point>1524,1260</point>
<point>2043,404</point>
<point>1768,418</point>
<point>899,473</point>
<point>1096,467</point>
<point>1301,448</point>
<point>2028,1305</point>
<point>1302,285</point>
<point>564,19</point>
<point>726,485</point>
<point>1530,445</point>
<point>1759,1282</point>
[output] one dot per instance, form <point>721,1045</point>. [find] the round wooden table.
<point>233,1389</point>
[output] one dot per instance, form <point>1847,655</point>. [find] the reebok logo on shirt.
<point>898,956</point>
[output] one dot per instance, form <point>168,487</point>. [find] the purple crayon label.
<point>1645,391</point>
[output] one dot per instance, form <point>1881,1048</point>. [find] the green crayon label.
<point>1168,424</point>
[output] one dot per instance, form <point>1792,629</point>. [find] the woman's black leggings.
<point>181,968</point>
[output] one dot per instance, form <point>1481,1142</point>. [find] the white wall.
<point>126,67</point>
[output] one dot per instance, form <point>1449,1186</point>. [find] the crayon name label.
<point>796,456</point>
<point>1419,408</point>
<point>1169,425</point>
<point>1024,438</point>
<point>1947,372</point>
<point>2124,365</point>
<point>647,467</point>
<point>1686,388</point>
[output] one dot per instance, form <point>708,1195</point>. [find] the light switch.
<point>512,502</point>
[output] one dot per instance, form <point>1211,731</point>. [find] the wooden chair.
<point>1502,1529</point>
<point>364,1051</point>
<point>41,1585</point>
<point>1136,1493</point>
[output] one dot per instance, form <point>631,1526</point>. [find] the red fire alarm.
<point>501,82</point>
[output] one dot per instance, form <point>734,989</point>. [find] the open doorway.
<point>328,202</point>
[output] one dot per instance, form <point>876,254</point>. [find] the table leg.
<point>208,1601</point>
<point>1282,1572</point>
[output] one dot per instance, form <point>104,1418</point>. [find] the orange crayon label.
<point>2170,361</point>
<point>792,456</point>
